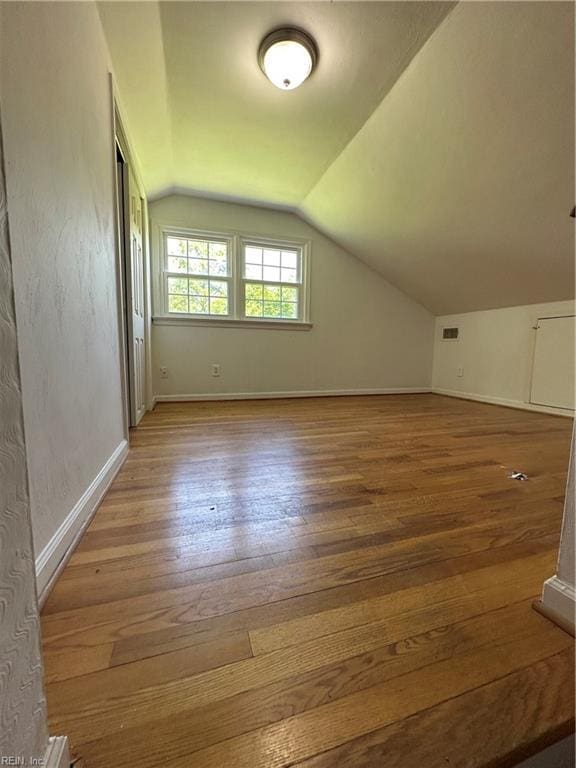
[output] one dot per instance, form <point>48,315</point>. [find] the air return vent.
<point>450,334</point>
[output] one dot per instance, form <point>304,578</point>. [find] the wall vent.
<point>450,334</point>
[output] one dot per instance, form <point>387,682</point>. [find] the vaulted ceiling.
<point>204,117</point>
<point>435,141</point>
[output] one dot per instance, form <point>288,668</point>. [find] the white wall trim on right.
<point>57,754</point>
<point>503,401</point>
<point>54,556</point>
<point>289,394</point>
<point>558,603</point>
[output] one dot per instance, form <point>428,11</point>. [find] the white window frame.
<point>260,242</point>
<point>236,241</point>
<point>166,274</point>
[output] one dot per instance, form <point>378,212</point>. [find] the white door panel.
<point>553,370</point>
<point>135,301</point>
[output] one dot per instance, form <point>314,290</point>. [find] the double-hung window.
<point>272,281</point>
<point>198,275</point>
<point>231,277</point>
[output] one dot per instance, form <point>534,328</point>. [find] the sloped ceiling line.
<point>435,142</point>
<point>457,187</point>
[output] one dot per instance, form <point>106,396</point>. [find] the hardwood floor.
<point>324,583</point>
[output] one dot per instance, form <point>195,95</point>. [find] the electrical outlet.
<point>163,372</point>
<point>460,372</point>
<point>215,369</point>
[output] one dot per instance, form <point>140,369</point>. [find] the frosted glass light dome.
<point>287,57</point>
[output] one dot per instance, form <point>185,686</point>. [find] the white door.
<point>553,371</point>
<point>135,301</point>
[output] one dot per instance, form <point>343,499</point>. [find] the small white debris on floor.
<point>518,476</point>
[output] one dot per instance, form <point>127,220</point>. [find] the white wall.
<point>58,144</point>
<point>23,729</point>
<point>559,592</point>
<point>494,350</point>
<point>567,555</point>
<point>366,334</point>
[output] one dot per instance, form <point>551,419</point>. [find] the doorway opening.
<point>130,238</point>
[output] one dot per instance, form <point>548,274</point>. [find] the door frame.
<point>120,273</point>
<point>121,144</point>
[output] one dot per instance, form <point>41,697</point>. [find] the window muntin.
<point>272,279</point>
<point>198,275</point>
<point>227,277</point>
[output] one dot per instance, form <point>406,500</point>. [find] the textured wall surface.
<point>22,705</point>
<point>59,178</point>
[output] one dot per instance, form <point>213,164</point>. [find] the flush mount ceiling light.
<point>287,57</point>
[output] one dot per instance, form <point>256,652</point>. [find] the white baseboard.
<point>289,394</point>
<point>558,602</point>
<point>57,754</point>
<point>55,554</point>
<point>503,401</point>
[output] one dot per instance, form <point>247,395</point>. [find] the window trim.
<point>260,242</point>
<point>236,304</point>
<point>166,274</point>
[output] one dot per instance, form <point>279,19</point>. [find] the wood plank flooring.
<point>324,583</point>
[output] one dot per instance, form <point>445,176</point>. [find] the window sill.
<point>276,325</point>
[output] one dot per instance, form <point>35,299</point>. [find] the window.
<point>227,277</point>
<point>271,278</point>
<point>198,276</point>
